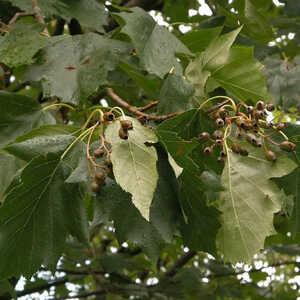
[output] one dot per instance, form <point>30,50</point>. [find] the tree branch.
<point>278,264</point>
<point>180,263</point>
<point>142,116</point>
<point>42,287</point>
<point>148,106</point>
<point>83,295</point>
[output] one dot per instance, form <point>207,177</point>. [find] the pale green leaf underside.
<point>249,202</point>
<point>134,163</point>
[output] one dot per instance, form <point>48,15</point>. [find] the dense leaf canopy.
<point>149,149</point>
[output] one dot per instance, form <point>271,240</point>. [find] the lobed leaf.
<point>249,202</point>
<point>134,163</point>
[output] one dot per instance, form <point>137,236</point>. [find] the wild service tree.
<point>141,162</point>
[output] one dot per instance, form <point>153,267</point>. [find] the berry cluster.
<point>100,159</point>
<point>243,121</point>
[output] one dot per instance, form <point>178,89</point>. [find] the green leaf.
<point>134,163</point>
<point>241,75</point>
<point>151,86</point>
<point>249,202</point>
<point>165,207</point>
<point>178,135</point>
<point>89,13</point>
<point>42,140</point>
<point>38,212</point>
<point>198,40</point>
<point>155,45</point>
<point>21,43</point>
<point>283,80</point>
<point>256,25</point>
<point>10,164</point>
<point>115,204</point>
<point>74,77</point>
<point>215,56</point>
<point>198,215</point>
<point>291,182</point>
<point>19,114</point>
<point>174,94</point>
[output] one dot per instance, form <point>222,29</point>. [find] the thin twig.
<point>148,106</point>
<point>83,295</point>
<point>277,264</point>
<point>114,97</point>
<point>42,287</point>
<point>18,15</point>
<point>217,106</point>
<point>36,12</point>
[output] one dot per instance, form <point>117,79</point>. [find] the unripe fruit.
<point>207,150</point>
<point>203,137</point>
<point>98,152</point>
<point>95,187</point>
<point>218,134</point>
<point>260,105</point>
<point>126,124</point>
<point>123,134</point>
<point>219,122</point>
<point>287,146</point>
<point>270,155</point>
<point>270,107</point>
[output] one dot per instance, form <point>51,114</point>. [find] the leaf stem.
<point>58,104</point>
<point>217,97</point>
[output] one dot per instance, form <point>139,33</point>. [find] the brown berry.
<point>203,137</point>
<point>270,155</point>
<point>123,134</point>
<point>223,113</point>
<point>260,105</point>
<point>109,116</point>
<point>250,109</point>
<point>219,122</point>
<point>280,126</point>
<point>219,142</point>
<point>108,162</point>
<point>98,152</point>
<point>240,122</point>
<point>251,138</point>
<point>99,177</point>
<point>95,187</point>
<point>235,147</point>
<point>207,150</point>
<point>126,124</point>
<point>218,134</point>
<point>270,107</point>
<point>259,114</point>
<point>244,152</point>
<point>222,153</point>
<point>220,159</point>
<point>287,146</point>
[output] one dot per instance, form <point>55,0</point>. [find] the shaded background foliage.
<point>101,253</point>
